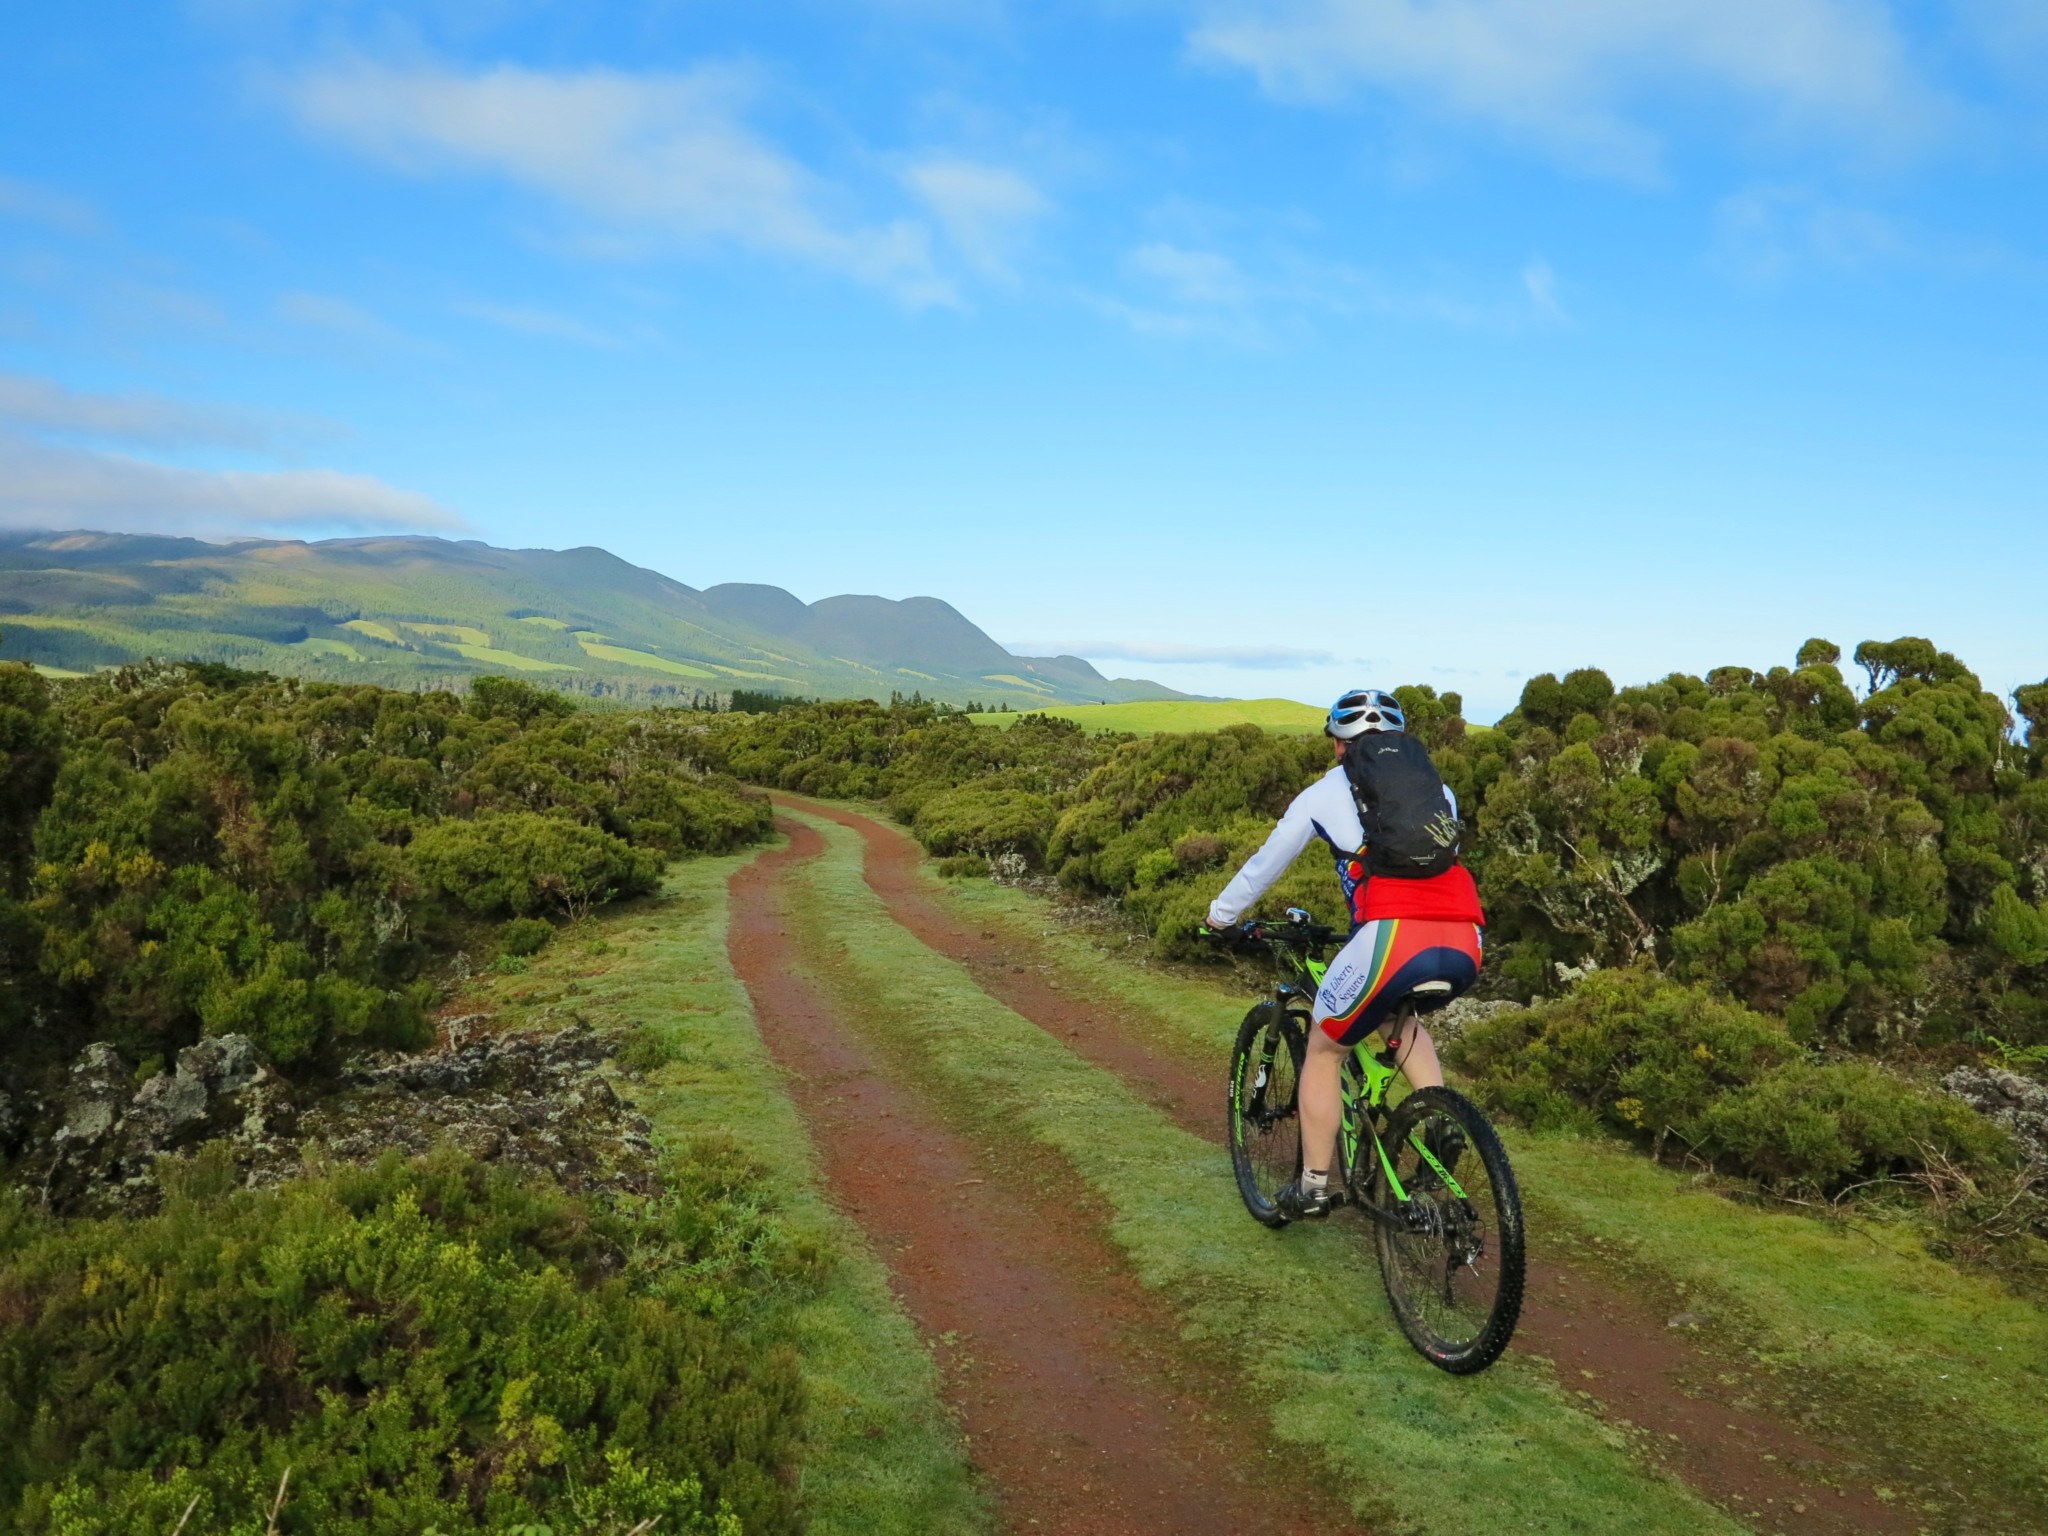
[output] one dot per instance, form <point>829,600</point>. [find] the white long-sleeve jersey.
<point>1326,810</point>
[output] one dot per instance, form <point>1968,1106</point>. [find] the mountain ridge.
<point>414,610</point>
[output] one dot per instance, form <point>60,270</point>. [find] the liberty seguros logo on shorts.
<point>1341,983</point>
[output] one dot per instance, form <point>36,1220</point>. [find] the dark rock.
<point>164,1106</point>
<point>96,1096</point>
<point>536,1101</point>
<point>222,1063</point>
<point>532,1100</point>
<point>1452,1020</point>
<point>2005,1098</point>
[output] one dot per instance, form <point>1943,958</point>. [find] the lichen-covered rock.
<point>2007,1099</point>
<point>222,1063</point>
<point>164,1106</point>
<point>102,1156</point>
<point>1452,1020</point>
<point>96,1096</point>
<point>536,1101</point>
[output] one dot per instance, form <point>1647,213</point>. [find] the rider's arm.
<point>1293,834</point>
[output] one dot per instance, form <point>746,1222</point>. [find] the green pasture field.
<point>883,1457</point>
<point>1280,716</point>
<point>1937,1374</point>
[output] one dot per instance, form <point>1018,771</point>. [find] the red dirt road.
<point>1033,1317</point>
<point>1603,1341</point>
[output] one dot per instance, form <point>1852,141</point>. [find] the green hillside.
<point>407,612</point>
<point>1150,716</point>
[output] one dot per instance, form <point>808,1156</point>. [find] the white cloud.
<point>985,210</point>
<point>326,312</point>
<point>1191,291</point>
<point>2010,31</point>
<point>1254,658</point>
<point>1561,72</point>
<point>660,158</point>
<point>529,321</point>
<point>43,205</point>
<point>1202,278</point>
<point>43,405</point>
<point>43,485</point>
<point>1765,233</point>
<point>1540,283</point>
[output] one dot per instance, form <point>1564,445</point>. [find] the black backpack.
<point>1410,833</point>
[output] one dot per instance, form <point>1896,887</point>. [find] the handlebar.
<point>1297,932</point>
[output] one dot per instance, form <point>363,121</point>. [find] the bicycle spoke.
<point>1453,1271</point>
<point>1265,1126</point>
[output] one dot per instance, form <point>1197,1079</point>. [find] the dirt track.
<point>1038,1328</point>
<point>1602,1339</point>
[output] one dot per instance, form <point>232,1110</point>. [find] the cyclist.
<point>1415,914</point>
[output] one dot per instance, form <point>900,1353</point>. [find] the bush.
<point>1636,1052</point>
<point>424,1345</point>
<point>519,863</point>
<point>964,866</point>
<point>1820,1125</point>
<point>190,848</point>
<point>985,817</point>
<point>525,936</point>
<point>1630,1050</point>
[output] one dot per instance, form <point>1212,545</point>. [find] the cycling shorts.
<point>1386,960</point>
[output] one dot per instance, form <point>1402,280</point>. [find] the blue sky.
<point>1260,346</point>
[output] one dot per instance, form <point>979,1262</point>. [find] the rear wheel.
<point>1454,1267</point>
<point>1265,1119</point>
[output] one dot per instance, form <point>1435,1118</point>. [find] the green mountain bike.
<point>1428,1172</point>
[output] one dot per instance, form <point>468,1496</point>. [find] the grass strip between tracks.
<point>1300,1314</point>
<point>1941,1374</point>
<point>882,1455</point>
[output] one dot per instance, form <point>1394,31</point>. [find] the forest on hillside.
<point>1791,931</point>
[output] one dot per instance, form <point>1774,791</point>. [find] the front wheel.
<point>1453,1266</point>
<point>1265,1114</point>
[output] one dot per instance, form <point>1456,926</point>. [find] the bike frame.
<point>1366,1076</point>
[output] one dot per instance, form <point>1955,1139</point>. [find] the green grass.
<point>490,656</point>
<point>319,647</point>
<point>1280,716</point>
<point>1921,1364</point>
<point>452,634</point>
<point>1299,1315</point>
<point>626,658</point>
<point>884,1458</point>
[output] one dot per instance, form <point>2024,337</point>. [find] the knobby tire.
<point>1456,1282</point>
<point>1264,1113</point>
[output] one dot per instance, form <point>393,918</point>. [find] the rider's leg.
<point>1321,1100</point>
<point>1416,1058</point>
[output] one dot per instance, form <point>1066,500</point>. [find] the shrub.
<point>1820,1125</point>
<point>964,866</point>
<point>426,1345</point>
<point>519,863</point>
<point>643,1050</point>
<point>1630,1050</point>
<point>191,848</point>
<point>985,817</point>
<point>1636,1052</point>
<point>525,936</point>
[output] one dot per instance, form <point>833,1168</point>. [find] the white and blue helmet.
<point>1362,710</point>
